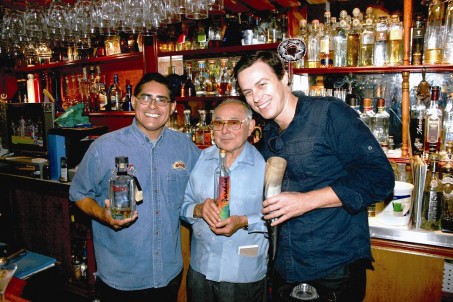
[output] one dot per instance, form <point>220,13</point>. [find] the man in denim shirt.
<point>335,170</point>
<point>228,260</point>
<point>139,258</point>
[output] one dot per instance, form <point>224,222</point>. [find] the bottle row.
<point>377,40</point>
<point>89,87</point>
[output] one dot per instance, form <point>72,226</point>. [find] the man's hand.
<point>114,223</point>
<point>209,211</point>
<point>230,225</point>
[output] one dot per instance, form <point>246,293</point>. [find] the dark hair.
<point>156,77</point>
<point>268,57</point>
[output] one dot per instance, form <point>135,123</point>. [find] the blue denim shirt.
<point>148,253</point>
<point>217,256</point>
<point>326,144</point>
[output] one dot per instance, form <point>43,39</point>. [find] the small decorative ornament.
<point>291,50</point>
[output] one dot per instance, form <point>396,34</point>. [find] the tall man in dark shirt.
<point>335,170</point>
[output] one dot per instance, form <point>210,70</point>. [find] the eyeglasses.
<point>217,125</point>
<point>161,101</point>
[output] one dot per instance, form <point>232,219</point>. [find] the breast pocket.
<point>176,185</point>
<point>301,157</point>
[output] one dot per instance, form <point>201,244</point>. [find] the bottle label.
<point>396,34</point>
<point>223,201</point>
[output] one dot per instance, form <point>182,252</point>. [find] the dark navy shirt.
<point>326,144</point>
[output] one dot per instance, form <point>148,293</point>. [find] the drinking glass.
<point>196,9</point>
<point>7,271</point>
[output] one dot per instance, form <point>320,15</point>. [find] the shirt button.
<point>370,148</point>
<point>157,212</point>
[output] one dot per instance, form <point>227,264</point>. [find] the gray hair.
<point>246,106</point>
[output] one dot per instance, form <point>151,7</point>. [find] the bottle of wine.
<point>115,94</point>
<point>222,186</point>
<point>122,190</point>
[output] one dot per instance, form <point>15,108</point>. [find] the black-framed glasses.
<point>160,100</point>
<point>217,125</point>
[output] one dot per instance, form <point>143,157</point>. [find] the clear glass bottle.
<point>432,197</point>
<point>447,46</point>
<point>353,41</point>
<point>340,42</point>
<point>380,123</point>
<point>224,78</point>
<point>200,80</point>
<point>274,29</point>
<point>447,123</point>
<point>222,186</point>
<point>433,122</point>
<point>368,112</point>
<point>211,80</point>
<point>187,128</point>
<point>366,54</point>
<point>313,45</point>
<point>115,94</point>
<point>122,190</point>
<point>417,127</point>
<point>446,215</point>
<point>303,35</point>
<point>326,43</point>
<point>380,42</point>
<point>418,40</point>
<point>202,131</point>
<point>63,170</point>
<point>259,35</point>
<point>395,43</point>
<point>434,33</point>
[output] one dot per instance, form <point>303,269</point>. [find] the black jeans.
<point>168,293</point>
<point>346,284</point>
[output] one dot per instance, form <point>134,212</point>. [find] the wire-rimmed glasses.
<point>217,125</point>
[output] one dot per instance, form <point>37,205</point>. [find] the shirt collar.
<point>246,156</point>
<point>143,138</point>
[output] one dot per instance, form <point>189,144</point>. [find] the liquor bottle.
<point>174,80</point>
<point>353,102</point>
<point>447,123</point>
<point>447,189</point>
<point>434,33</point>
<point>395,42</point>
<point>432,197</point>
<point>200,79</point>
<point>326,43</point>
<point>211,80</point>
<point>313,45</point>
<point>202,131</point>
<point>418,40</point>
<point>224,78</point>
<point>303,35</point>
<point>122,190</point>
<point>433,122</point>
<point>368,112</point>
<point>366,53</point>
<point>380,123</point>
<point>447,45</point>
<point>201,36</point>
<point>63,170</point>
<point>274,29</point>
<point>189,87</point>
<point>232,35</point>
<point>340,41</point>
<point>353,41</point>
<point>115,94</point>
<point>127,104</point>
<point>222,186</point>
<point>259,34</point>
<point>380,42</point>
<point>417,127</point>
<point>187,128</point>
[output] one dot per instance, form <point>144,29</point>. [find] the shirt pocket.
<point>176,185</point>
<point>301,157</point>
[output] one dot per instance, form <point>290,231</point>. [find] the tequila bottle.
<point>418,40</point>
<point>202,131</point>
<point>224,79</point>
<point>353,41</point>
<point>447,123</point>
<point>380,42</point>
<point>432,197</point>
<point>122,190</point>
<point>395,45</point>
<point>380,123</point>
<point>447,48</point>
<point>447,190</point>
<point>417,127</point>
<point>433,122</point>
<point>434,33</point>
<point>303,35</point>
<point>366,54</point>
<point>340,42</point>
<point>189,87</point>
<point>200,80</point>
<point>187,128</point>
<point>326,43</point>
<point>211,80</point>
<point>313,45</point>
<point>368,112</point>
<point>116,94</point>
<point>222,186</point>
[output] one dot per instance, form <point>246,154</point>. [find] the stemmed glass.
<point>7,271</point>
